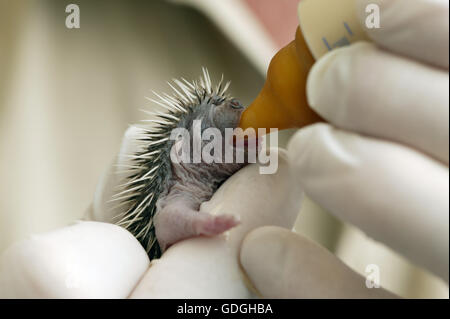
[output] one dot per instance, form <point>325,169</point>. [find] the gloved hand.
<point>382,162</point>
<point>96,259</point>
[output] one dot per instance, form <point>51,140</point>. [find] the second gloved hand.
<point>382,162</point>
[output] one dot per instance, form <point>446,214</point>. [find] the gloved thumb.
<point>283,264</point>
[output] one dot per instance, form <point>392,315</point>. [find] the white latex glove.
<point>95,259</point>
<point>382,162</point>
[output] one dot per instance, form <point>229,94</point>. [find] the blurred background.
<point>68,95</point>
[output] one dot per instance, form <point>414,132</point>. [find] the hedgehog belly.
<point>178,217</point>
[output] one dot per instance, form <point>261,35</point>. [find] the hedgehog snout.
<point>235,104</point>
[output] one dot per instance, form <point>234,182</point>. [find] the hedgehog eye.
<point>217,101</point>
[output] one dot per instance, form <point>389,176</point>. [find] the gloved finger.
<point>205,267</point>
<point>414,28</point>
<point>84,260</point>
<point>106,206</point>
<point>365,89</point>
<point>283,264</point>
<point>394,194</point>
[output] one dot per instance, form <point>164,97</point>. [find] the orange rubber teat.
<point>282,101</point>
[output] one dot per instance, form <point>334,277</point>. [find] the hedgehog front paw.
<point>214,225</point>
<point>175,223</point>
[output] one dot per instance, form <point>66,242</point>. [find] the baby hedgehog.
<point>162,196</point>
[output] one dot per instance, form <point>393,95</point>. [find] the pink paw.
<point>215,225</point>
<point>173,225</point>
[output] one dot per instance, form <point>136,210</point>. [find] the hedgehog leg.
<point>177,221</point>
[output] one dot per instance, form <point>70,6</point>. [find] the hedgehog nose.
<point>235,104</point>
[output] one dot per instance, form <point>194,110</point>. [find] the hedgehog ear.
<point>180,150</point>
<point>178,146</point>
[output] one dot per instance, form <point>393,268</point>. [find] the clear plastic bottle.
<point>324,25</point>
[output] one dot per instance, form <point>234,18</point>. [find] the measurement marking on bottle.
<point>341,42</point>
<point>348,28</point>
